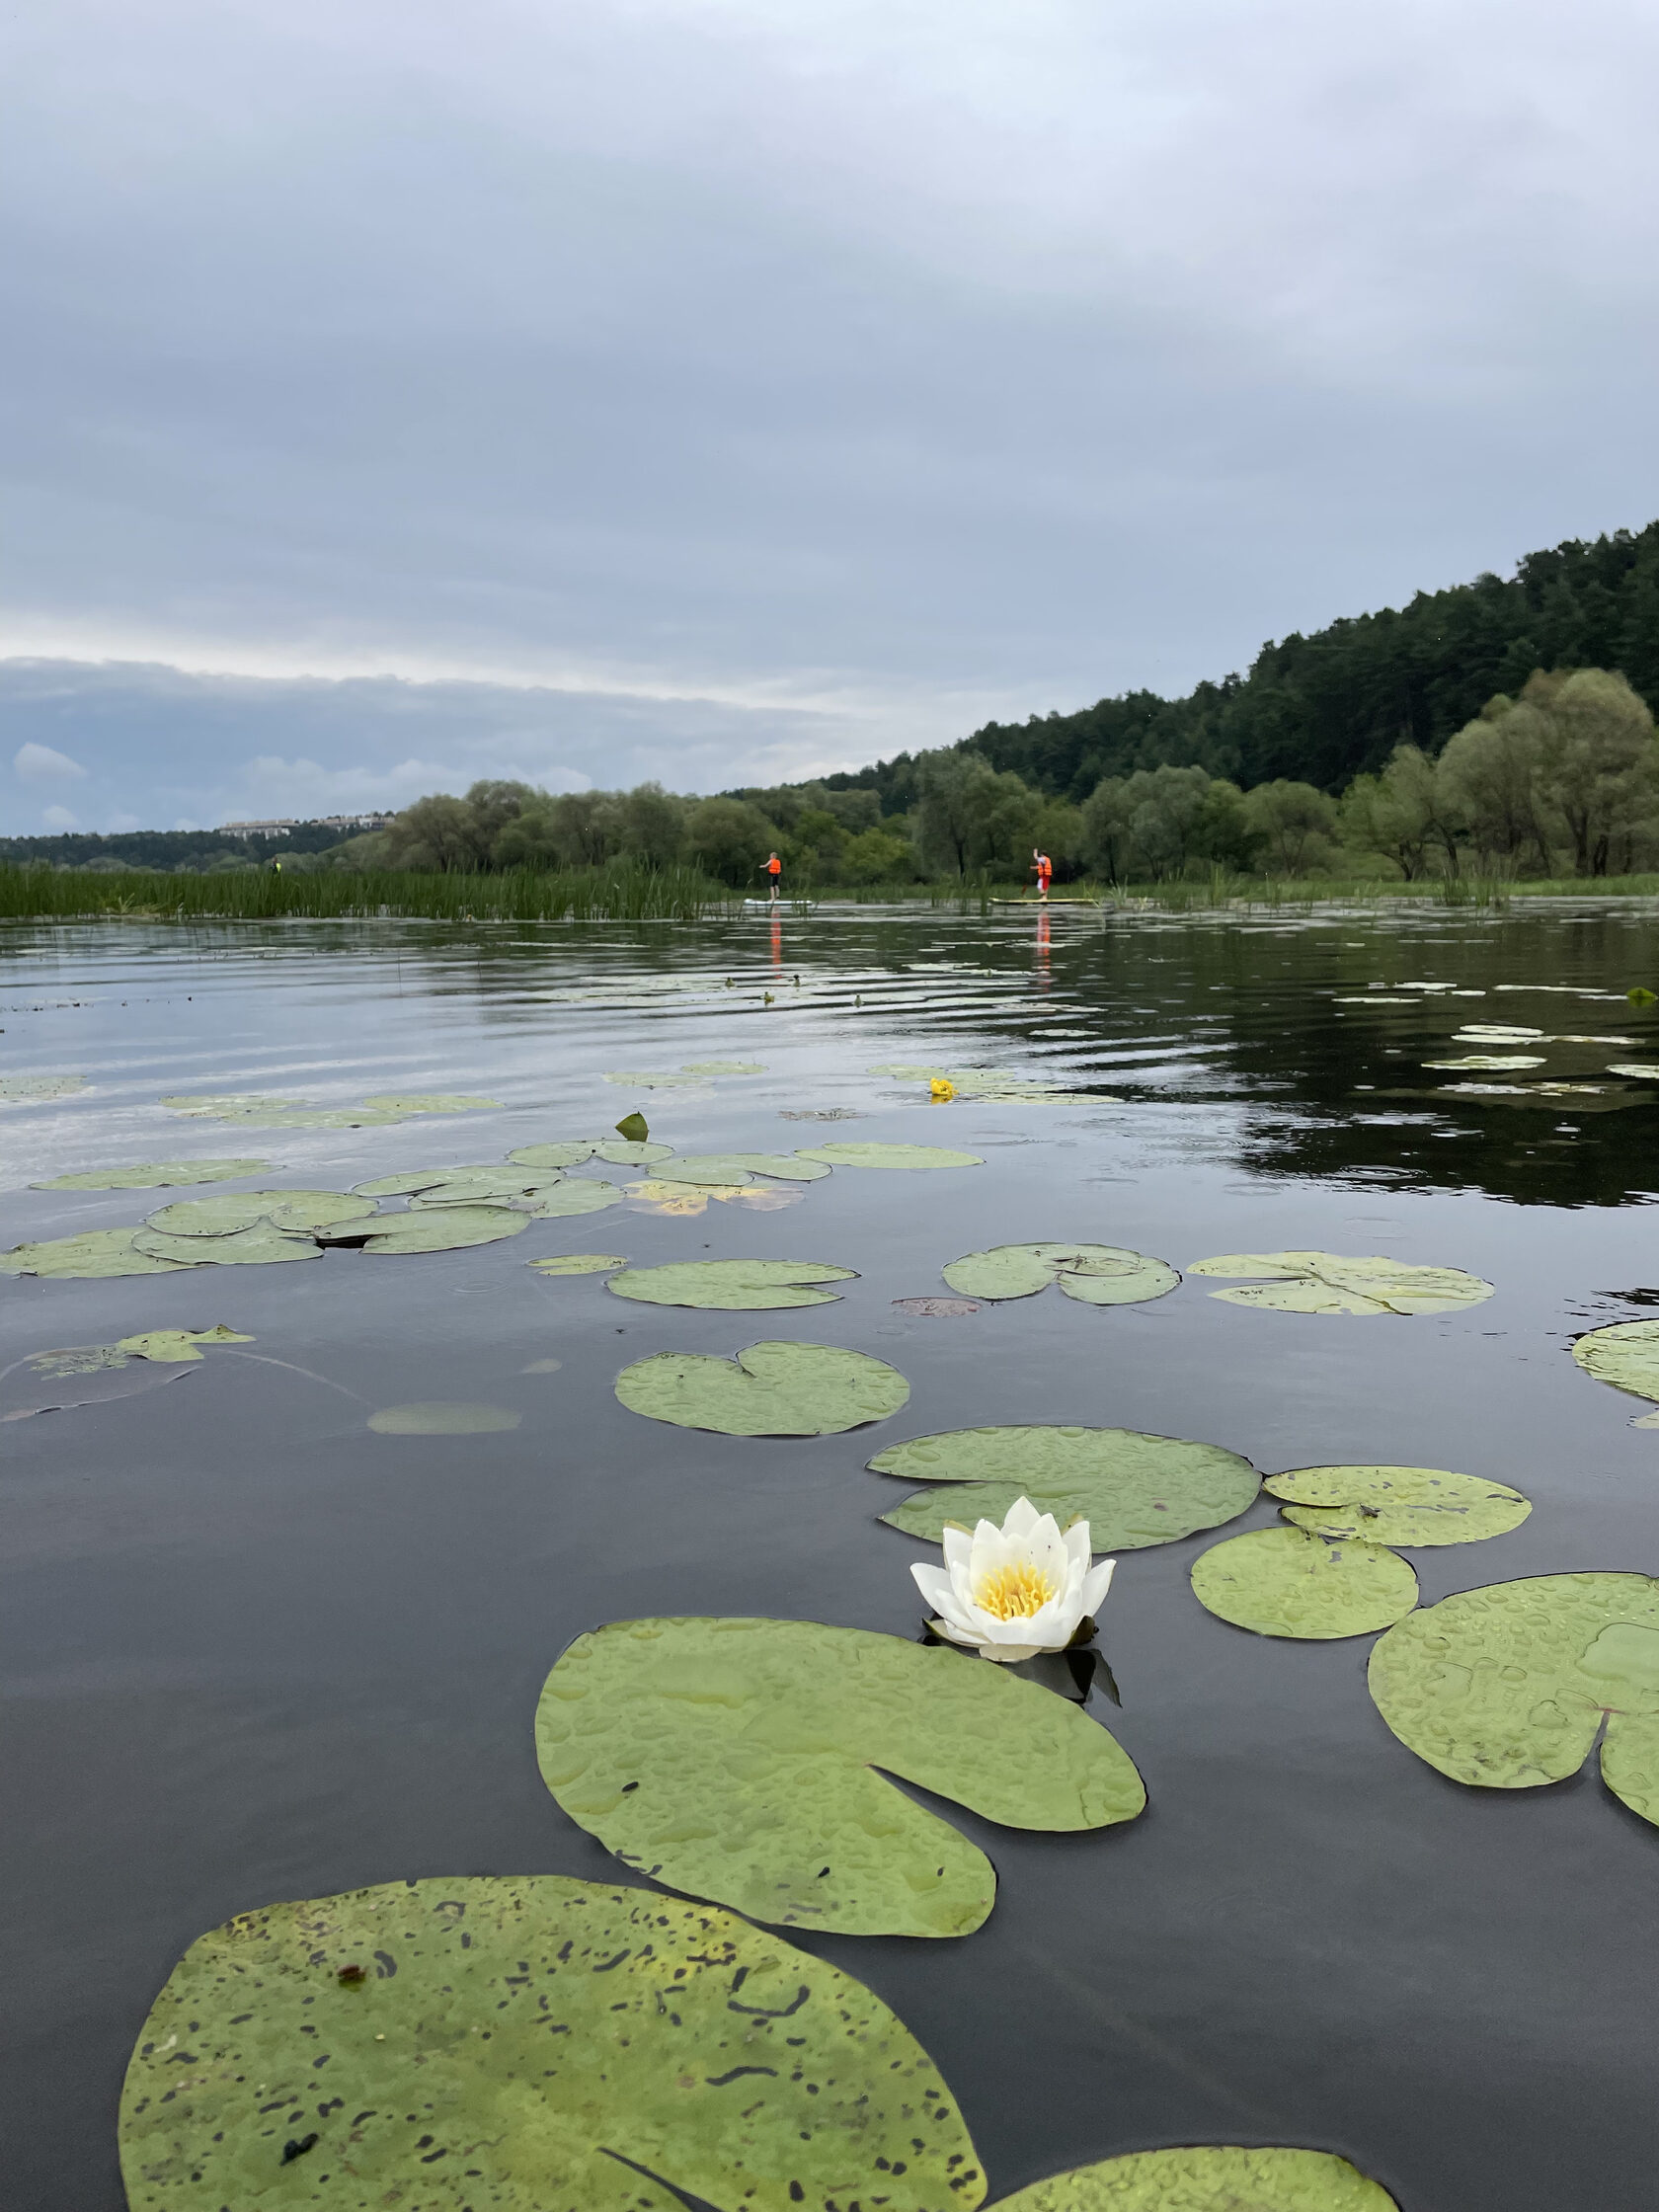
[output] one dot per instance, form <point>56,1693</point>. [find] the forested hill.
<point>1319,709</point>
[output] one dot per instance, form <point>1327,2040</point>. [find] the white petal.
<point>956,1636</point>
<point>933,1583</point>
<point>1096,1583</point>
<point>1020,1519</point>
<point>1010,1654</point>
<point>1077,1548</point>
<point>959,1545</point>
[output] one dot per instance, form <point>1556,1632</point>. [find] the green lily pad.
<point>731,1170</point>
<point>75,1375</point>
<point>731,1286</point>
<point>561,2043</point>
<point>434,1418</point>
<point>416,1180</point>
<point>632,1127</point>
<point>1284,1582</point>
<point>255,1111</point>
<point>430,1102</point>
<point>1507,1687</point>
<point>852,1154</point>
<point>991,1083</point>
<point>1095,1274</point>
<point>174,1347</point>
<point>770,1389</point>
<point>1134,1490</point>
<point>230,1212</point>
<point>440,1228</point>
<point>1411,1506</point>
<point>94,1253</point>
<point>38,1090</point>
<point>724,1067</point>
<point>1489,1059</point>
<point>155,1176</point>
<point>261,1244</point>
<point>1210,2179</point>
<point>1330,1283</point>
<point>579,1263</point>
<point>1626,1354</point>
<point>654,1078</point>
<point>617,1152</point>
<point>1641,1071</point>
<point>571,1198</point>
<point>733,1760</point>
<point>518,1187</point>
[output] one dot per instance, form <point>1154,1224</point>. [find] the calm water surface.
<point>251,1650</point>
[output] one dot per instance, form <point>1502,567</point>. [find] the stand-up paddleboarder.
<point>774,873</point>
<point>1042,867</point>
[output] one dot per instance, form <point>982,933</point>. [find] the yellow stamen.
<point>1014,1593</point>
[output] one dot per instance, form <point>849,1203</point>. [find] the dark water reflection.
<point>251,1650</point>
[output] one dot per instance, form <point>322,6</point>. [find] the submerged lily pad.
<point>731,1286</point>
<point>694,2053</point>
<point>440,1228</point>
<point>1507,1687</point>
<point>1330,1283</point>
<point>1626,1354</point>
<point>76,1374</point>
<point>1284,1582</point>
<point>1134,1490</point>
<point>1210,2179</point>
<point>174,1347</point>
<point>579,1263</point>
<point>430,1102</point>
<point>1411,1506</point>
<point>94,1253</point>
<point>1094,1274</point>
<point>437,1418</point>
<point>733,1759</point>
<point>724,1067</point>
<point>853,1154</point>
<point>261,1244</point>
<point>38,1090</point>
<point>155,1176</point>
<point>242,1209</point>
<point>770,1390</point>
<point>734,1169</point>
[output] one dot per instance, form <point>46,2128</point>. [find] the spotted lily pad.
<point>1626,1354</point>
<point>174,1347</point>
<point>76,1374</point>
<point>1284,1582</point>
<point>733,1760</point>
<point>1489,1059</point>
<point>1411,1506</point>
<point>579,1263</point>
<point>242,1209</point>
<point>563,2043</point>
<point>95,1252</point>
<point>724,1067</point>
<point>1134,1490</point>
<point>437,1418</point>
<point>1507,1687</point>
<point>261,1244</point>
<point>1330,1283</point>
<point>38,1090</point>
<point>853,1154</point>
<point>430,1102</point>
<point>155,1176</point>
<point>1094,1274</point>
<point>440,1228</point>
<point>770,1389</point>
<point>1211,2179</point>
<point>731,1286</point>
<point>733,1169</point>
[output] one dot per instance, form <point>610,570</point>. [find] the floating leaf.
<point>852,1154</point>
<point>1095,1274</point>
<point>633,1127</point>
<point>1497,1033</point>
<point>990,1084</point>
<point>819,1114</point>
<point>1639,996</point>
<point>430,1102</point>
<point>767,2074</point>
<point>76,1374</point>
<point>95,1252</point>
<point>1411,1506</point>
<point>655,1078</point>
<point>731,1170</point>
<point>579,1263</point>
<point>1626,1354</point>
<point>1284,1582</point>
<point>262,1244</point>
<point>1489,1059</point>
<point>230,1212</point>
<point>1641,1071</point>
<point>155,1176</point>
<point>496,1186</point>
<point>436,1418</point>
<point>173,1347</point>
<point>616,1151</point>
<point>724,1067</point>
<point>38,1090</point>
<point>1330,1283</point>
<point>731,1286</point>
<point>770,1389</point>
<point>1134,1490</point>
<point>1211,2178</point>
<point>571,1198</point>
<point>257,1112</point>
<point>440,1228</point>
<point>1507,1687</point>
<point>693,1198</point>
<point>733,1759</point>
<point>935,1309</point>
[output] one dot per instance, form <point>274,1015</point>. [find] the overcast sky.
<point>732,389</point>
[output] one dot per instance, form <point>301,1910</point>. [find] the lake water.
<point>253,1651</point>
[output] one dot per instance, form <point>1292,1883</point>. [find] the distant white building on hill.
<point>290,824</point>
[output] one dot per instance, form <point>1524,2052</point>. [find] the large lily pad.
<point>429,1103</point>
<point>724,1067</point>
<point>1211,2179</point>
<point>1507,1687</point>
<point>1411,1506</point>
<point>693,1198</point>
<point>496,1186</point>
<point>568,1199</point>
<point>440,1228</point>
<point>733,1759</point>
<point>1284,1582</point>
<point>579,1263</point>
<point>1626,1354</point>
<point>770,1389</point>
<point>262,1244</point>
<point>38,1090</point>
<point>94,1253</point>
<point>76,1374</point>
<point>255,1111</point>
<point>853,1154</point>
<point>1134,1490</point>
<point>731,1286</point>
<point>1094,1274</point>
<point>617,1152</point>
<point>438,1417</point>
<point>528,2042</point>
<point>155,1176</point>
<point>737,1168</point>
<point>1330,1283</point>
<point>240,1209</point>
<point>177,1347</point>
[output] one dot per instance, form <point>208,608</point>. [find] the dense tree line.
<point>191,851</point>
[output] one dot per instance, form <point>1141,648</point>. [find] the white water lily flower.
<point>1014,1591</point>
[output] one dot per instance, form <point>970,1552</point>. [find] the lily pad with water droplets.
<point>1409,1506</point>
<point>1507,1687</point>
<point>38,1090</point>
<point>724,1067</point>
<point>242,1209</point>
<point>430,1102</point>
<point>437,1418</point>
<point>1330,1283</point>
<point>94,1254</point>
<point>440,1228</point>
<point>76,1374</point>
<point>1284,1582</point>
<point>734,1760</point>
<point>155,1176</point>
<point>770,1390</point>
<point>579,1263</point>
<point>1209,2179</point>
<point>731,1170</point>
<point>563,2043</point>
<point>731,1286</point>
<point>1094,1274</point>
<point>174,1347</point>
<point>914,1156</point>
<point>261,1244</point>
<point>1625,1354</point>
<point>1134,1490</point>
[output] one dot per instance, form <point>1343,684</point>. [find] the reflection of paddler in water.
<point>774,873</point>
<point>777,940</point>
<point>1042,867</point>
